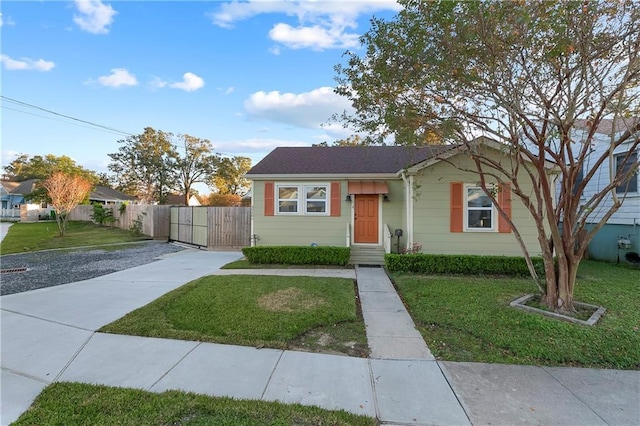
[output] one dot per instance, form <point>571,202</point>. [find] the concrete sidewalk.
<point>49,335</point>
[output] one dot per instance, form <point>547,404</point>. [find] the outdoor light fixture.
<point>385,198</point>
<point>348,198</point>
<point>624,243</point>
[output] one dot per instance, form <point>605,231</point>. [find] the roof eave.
<point>323,176</point>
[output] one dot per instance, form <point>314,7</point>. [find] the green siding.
<point>393,211</point>
<point>431,217</point>
<point>299,229</point>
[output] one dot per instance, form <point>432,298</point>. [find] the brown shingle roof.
<point>343,160</point>
<point>104,193</point>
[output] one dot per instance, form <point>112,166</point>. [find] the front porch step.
<point>367,255</point>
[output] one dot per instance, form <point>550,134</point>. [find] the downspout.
<point>408,189</point>
<point>252,237</point>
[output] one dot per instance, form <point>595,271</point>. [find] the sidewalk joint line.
<point>445,374</point>
<point>373,390</point>
<point>75,355</point>
<point>48,320</point>
<point>544,368</point>
<point>174,366</point>
<point>25,375</point>
<point>266,386</point>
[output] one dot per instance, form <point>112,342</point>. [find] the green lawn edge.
<point>30,237</point>
<point>468,319</point>
<point>67,403</point>
<point>255,310</point>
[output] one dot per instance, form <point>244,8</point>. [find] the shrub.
<point>102,215</point>
<point>136,227</point>
<point>461,264</point>
<point>298,255</point>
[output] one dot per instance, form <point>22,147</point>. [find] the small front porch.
<point>367,255</point>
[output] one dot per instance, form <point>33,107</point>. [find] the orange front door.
<point>366,219</point>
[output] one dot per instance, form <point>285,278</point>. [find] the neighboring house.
<point>10,207</point>
<point>13,196</point>
<point>15,201</point>
<point>105,195</point>
<point>178,200</point>
<point>625,223</point>
<point>363,197</point>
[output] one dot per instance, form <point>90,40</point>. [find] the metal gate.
<point>213,227</point>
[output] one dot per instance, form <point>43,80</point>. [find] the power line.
<point>92,124</point>
<point>55,119</point>
<point>99,126</point>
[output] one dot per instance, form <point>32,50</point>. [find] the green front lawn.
<point>469,319</point>
<point>25,237</point>
<point>83,404</point>
<point>318,314</point>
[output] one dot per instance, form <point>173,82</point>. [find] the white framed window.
<point>316,199</point>
<point>303,199</point>
<point>479,213</point>
<point>288,199</point>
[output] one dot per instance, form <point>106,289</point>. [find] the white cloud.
<point>6,21</point>
<point>254,145</point>
<point>26,64</point>
<point>307,110</point>
<point>321,24</point>
<point>189,83</point>
<point>226,90</point>
<point>94,16</point>
<point>313,37</point>
<point>118,77</point>
<point>157,83</point>
<point>275,50</point>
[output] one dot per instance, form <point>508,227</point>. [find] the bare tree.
<point>65,192</point>
<point>539,78</point>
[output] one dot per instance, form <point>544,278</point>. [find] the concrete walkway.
<point>4,229</point>
<point>49,335</point>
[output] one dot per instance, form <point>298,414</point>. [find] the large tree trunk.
<point>560,284</point>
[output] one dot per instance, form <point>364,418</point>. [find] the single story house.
<point>376,199</point>
<point>109,196</point>
<point>13,199</point>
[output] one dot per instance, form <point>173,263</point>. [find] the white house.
<point>624,225</point>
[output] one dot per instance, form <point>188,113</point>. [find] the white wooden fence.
<point>155,219</point>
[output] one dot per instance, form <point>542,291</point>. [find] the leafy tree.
<point>223,200</point>
<point>25,167</point>
<point>230,176</point>
<point>145,165</point>
<point>103,179</point>
<point>525,74</point>
<point>194,162</point>
<point>65,192</point>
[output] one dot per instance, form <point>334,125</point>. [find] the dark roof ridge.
<point>367,159</point>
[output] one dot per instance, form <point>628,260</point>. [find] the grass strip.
<point>83,404</point>
<point>27,237</point>
<point>469,319</point>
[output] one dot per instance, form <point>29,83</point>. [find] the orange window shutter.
<point>336,199</point>
<point>504,200</point>
<point>268,199</point>
<point>456,207</point>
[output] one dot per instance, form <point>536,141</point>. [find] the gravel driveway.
<point>55,267</point>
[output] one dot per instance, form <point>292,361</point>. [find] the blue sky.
<point>248,76</point>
